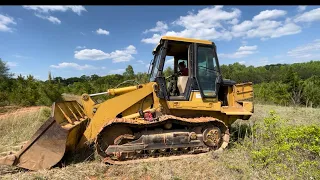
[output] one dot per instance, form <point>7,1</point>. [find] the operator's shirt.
<point>184,72</point>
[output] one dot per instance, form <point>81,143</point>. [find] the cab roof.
<point>191,40</point>
<point>181,39</point>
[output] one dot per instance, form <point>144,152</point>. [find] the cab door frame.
<point>190,81</point>
<point>160,79</point>
<point>218,80</point>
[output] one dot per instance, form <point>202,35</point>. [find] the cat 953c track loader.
<point>188,113</point>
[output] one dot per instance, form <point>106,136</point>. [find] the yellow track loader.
<point>188,113</point>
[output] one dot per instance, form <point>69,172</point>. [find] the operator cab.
<point>195,68</point>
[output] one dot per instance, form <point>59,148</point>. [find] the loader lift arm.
<point>110,109</point>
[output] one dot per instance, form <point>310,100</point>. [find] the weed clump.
<point>284,150</point>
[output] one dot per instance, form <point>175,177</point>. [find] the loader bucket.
<point>58,135</point>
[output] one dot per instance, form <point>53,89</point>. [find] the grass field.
<point>285,145</point>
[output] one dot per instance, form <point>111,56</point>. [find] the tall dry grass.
<point>236,162</point>
<point>15,128</point>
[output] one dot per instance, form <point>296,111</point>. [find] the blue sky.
<point>75,40</point>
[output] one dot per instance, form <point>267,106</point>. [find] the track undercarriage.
<point>125,141</point>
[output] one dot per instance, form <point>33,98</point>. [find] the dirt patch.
<point>16,110</point>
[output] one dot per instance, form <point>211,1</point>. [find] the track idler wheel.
<point>216,137</point>
<point>212,137</point>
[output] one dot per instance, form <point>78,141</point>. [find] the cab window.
<point>155,65</point>
<point>206,70</point>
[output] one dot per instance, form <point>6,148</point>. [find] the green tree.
<point>294,86</point>
<point>129,73</point>
<point>142,78</point>
<point>4,70</point>
<point>5,83</point>
<point>49,93</point>
<point>49,77</point>
<point>281,84</point>
<point>168,72</point>
<point>58,80</point>
<point>85,78</point>
<point>94,77</point>
<point>311,91</point>
<point>25,92</point>
<point>273,92</point>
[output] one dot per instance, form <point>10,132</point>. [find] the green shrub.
<point>286,149</point>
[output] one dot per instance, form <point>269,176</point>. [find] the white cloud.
<point>102,31</point>
<point>82,33</point>
<point>265,29</point>
<point>243,51</point>
<point>205,24</point>
<point>153,40</point>
<point>160,27</point>
<point>169,63</point>
<point>238,54</point>
<point>91,54</point>
<point>209,33</point>
<point>269,14</point>
<point>123,55</point>
<point>11,64</point>
<point>207,17</point>
<point>116,56</point>
<point>52,19</point>
<point>117,71</point>
<point>273,29</point>
<point>43,11</point>
<point>309,51</point>
<point>5,21</point>
<point>242,62</point>
<point>215,23</point>
<point>80,47</point>
<point>73,66</point>
<point>247,48</point>
<point>310,16</point>
<point>140,61</point>
<point>287,29</point>
<point>47,9</point>
<point>233,21</point>
<point>244,26</point>
<point>301,8</point>
<point>20,56</point>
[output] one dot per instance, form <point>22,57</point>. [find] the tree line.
<point>282,84</point>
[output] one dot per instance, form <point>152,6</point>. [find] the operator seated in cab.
<point>182,68</point>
